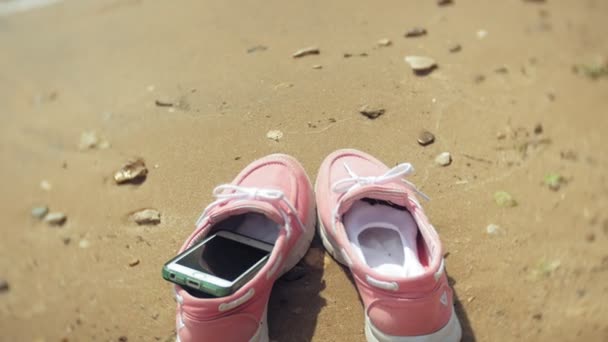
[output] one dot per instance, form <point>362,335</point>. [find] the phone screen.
<point>222,257</point>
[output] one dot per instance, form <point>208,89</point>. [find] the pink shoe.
<point>370,220</point>
<point>271,200</point>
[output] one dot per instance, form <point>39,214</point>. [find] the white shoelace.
<point>355,181</point>
<point>236,192</point>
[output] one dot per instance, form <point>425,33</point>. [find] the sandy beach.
<point>519,98</point>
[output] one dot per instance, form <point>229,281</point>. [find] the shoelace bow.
<point>228,192</point>
<point>354,181</point>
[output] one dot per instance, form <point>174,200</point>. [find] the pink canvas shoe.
<point>370,221</point>
<point>270,200</point>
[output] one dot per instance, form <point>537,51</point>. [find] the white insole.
<point>384,238</point>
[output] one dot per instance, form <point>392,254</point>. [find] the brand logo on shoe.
<point>444,299</point>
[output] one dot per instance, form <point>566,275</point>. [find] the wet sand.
<point>100,65</point>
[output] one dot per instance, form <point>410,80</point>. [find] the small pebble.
<point>420,64</point>
<point>55,219</point>
<point>90,140</point>
<point>444,2</point>
<point>123,339</point>
<point>84,243</point>
<point>470,299</point>
<point>133,262</point>
<point>317,66</point>
<point>443,159</point>
<point>384,42</point>
<point>504,199</point>
<point>537,316</point>
<point>371,112</point>
<point>590,237</point>
<point>479,78</point>
<point>45,185</point>
<point>39,212</point>
<point>146,217</point>
<point>163,103</point>
<point>426,138</point>
<point>415,32</point>
<point>569,155</point>
<point>554,181</point>
<point>275,135</point>
<point>481,34</point>
<point>455,48</point>
<point>257,48</point>
<point>132,172</point>
<point>306,52</point>
<point>501,70</point>
<point>538,129</point>
<point>4,286</point>
<point>492,229</point>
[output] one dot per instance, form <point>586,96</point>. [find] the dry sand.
<point>100,65</point>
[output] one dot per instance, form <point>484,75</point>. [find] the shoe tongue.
<point>396,194</point>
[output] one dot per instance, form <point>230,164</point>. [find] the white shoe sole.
<point>451,332</point>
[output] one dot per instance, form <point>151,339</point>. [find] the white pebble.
<point>481,34</point>
<point>45,185</point>
<point>443,159</point>
<point>275,135</point>
<point>492,229</point>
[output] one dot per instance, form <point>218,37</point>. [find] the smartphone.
<point>220,264</point>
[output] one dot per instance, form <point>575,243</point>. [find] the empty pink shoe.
<point>371,221</point>
<point>271,200</point>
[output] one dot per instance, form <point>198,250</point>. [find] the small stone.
<point>444,2</point>
<point>426,138</point>
<point>554,181</point>
<point>538,129</point>
<point>502,70</point>
<point>134,171</point>
<point>275,135</point>
<point>257,48</point>
<point>590,237</point>
<point>421,64</point>
<point>163,103</point>
<point>314,258</point>
<point>66,240</point>
<point>39,212</point>
<point>479,78</point>
<point>4,286</point>
<point>46,185</point>
<point>537,316</point>
<point>371,112</point>
<point>146,217</point>
<point>470,299</point>
<point>133,262</point>
<point>90,140</point>
<point>504,199</point>
<point>123,339</point>
<point>384,42</point>
<point>306,52</point>
<point>569,155</point>
<point>55,219</point>
<point>455,48</point>
<point>493,229</point>
<point>415,32</point>
<point>501,135</point>
<point>84,244</point>
<point>481,34</point>
<point>443,159</point>
<point>317,66</point>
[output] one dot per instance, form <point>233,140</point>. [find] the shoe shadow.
<point>467,330</point>
<point>295,301</point>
